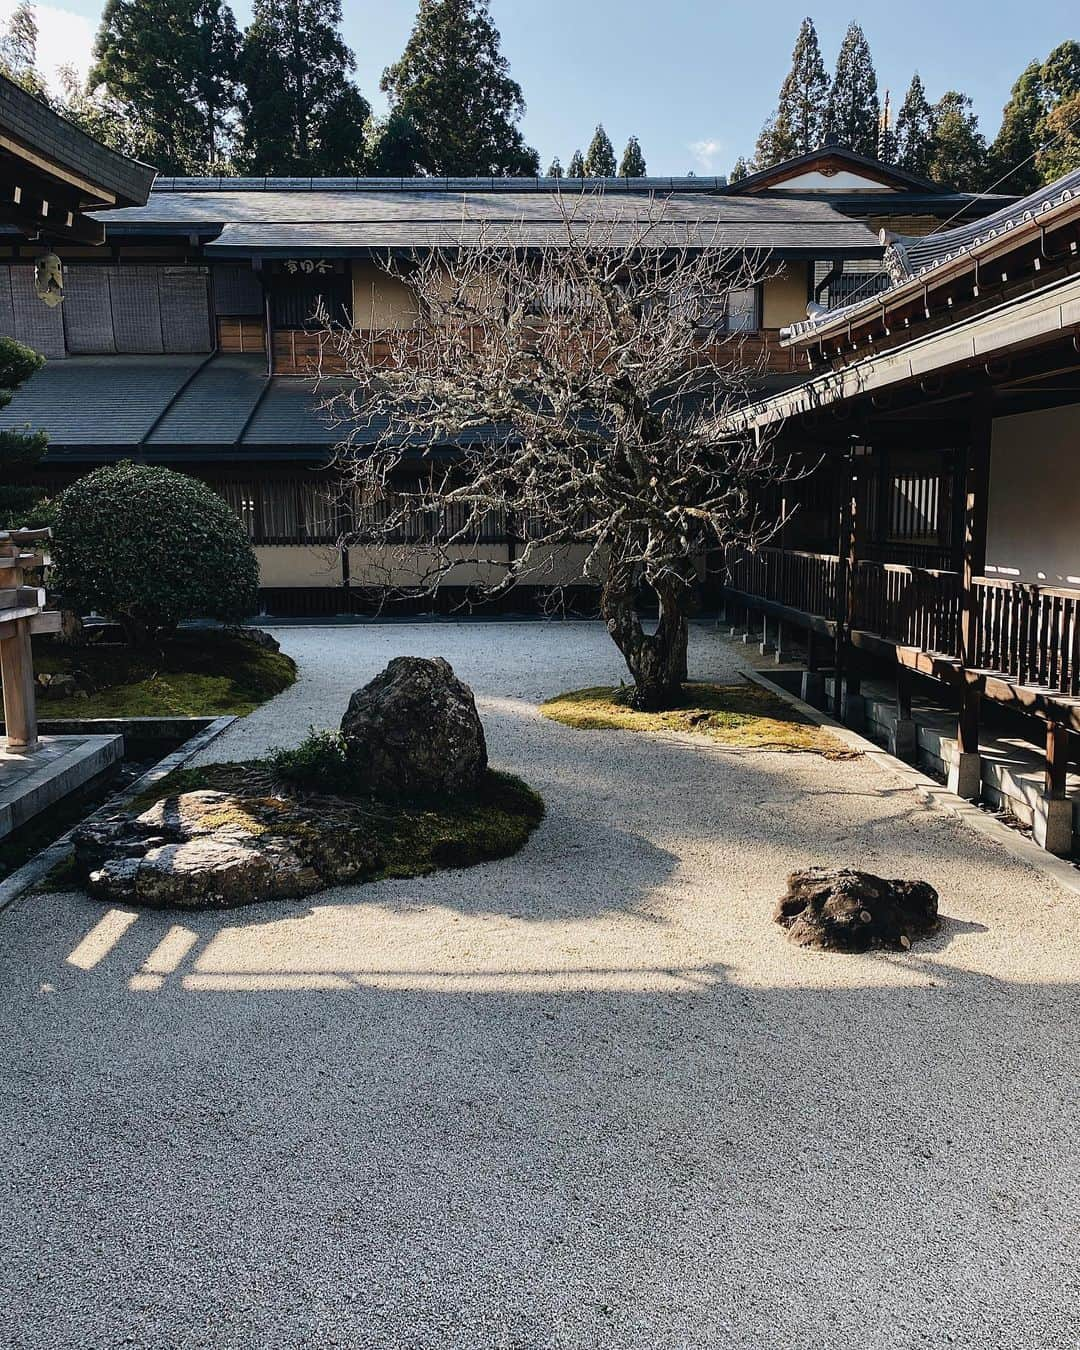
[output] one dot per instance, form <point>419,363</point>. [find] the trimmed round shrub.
<point>148,548</point>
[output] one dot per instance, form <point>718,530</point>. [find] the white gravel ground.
<point>584,1097</point>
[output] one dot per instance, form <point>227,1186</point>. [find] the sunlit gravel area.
<point>583,1097</point>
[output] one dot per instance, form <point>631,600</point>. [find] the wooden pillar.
<point>1057,756</point>
<point>903,693</point>
<point>973,564</point>
<point>17,672</point>
<point>847,696</point>
<point>965,776</point>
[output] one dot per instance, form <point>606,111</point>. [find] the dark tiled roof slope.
<point>292,221</point>
<point>173,404</point>
<point>35,125</point>
<point>911,257</point>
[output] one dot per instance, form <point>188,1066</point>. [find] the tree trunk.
<point>656,661</point>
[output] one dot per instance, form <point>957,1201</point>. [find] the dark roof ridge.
<point>688,183</point>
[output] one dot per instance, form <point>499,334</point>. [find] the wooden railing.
<point>1030,633</point>
<point>802,581</point>
<point>912,606</point>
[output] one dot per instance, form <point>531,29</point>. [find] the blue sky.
<point>693,80</point>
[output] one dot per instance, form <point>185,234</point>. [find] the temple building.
<point>189,339</point>
<point>937,541</point>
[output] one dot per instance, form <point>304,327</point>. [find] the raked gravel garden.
<point>583,1096</point>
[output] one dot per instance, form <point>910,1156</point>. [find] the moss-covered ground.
<point>415,838</point>
<point>742,715</point>
<point>195,674</point>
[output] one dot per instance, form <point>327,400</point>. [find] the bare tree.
<point>578,388</point>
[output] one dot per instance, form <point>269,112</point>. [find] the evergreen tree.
<point>632,164</point>
<point>101,115</point>
<point>804,94</point>
<point>853,109</point>
<point>1036,139</point>
<point>577,165</point>
<point>174,63</point>
<point>886,141</point>
<point>301,113</point>
<point>555,168</point>
<point>959,156</point>
<point>915,130</point>
<point>393,147</point>
<point>1060,151</point>
<point>600,156</point>
<point>18,450</point>
<point>18,49</point>
<point>454,83</point>
<point>775,143</point>
<point>1012,153</point>
<point>740,170</point>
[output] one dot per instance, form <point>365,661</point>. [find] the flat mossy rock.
<point>850,911</point>
<point>414,731</point>
<point>214,850</point>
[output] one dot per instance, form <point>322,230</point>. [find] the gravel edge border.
<point>1058,870</point>
<point>21,881</point>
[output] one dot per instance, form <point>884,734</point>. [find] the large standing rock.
<point>850,911</point>
<point>414,731</point>
<point>213,850</point>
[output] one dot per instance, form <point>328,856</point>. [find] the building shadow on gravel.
<point>862,1152</point>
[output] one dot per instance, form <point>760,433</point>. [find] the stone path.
<point>585,1097</point>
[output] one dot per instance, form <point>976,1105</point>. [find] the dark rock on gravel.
<point>850,911</point>
<point>414,731</point>
<point>214,850</point>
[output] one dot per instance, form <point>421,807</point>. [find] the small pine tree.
<point>959,158</point>
<point>740,170</point>
<point>915,130</point>
<point>775,143</point>
<point>577,165</point>
<point>804,94</point>
<point>600,156</point>
<point>632,164</point>
<point>555,168</point>
<point>853,109</point>
<point>19,450</point>
<point>454,83</point>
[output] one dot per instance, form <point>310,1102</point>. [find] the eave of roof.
<point>913,262</point>
<point>1021,321</point>
<point>45,132</point>
<point>801,163</point>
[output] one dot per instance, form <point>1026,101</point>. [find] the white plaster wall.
<point>1033,522</point>
<point>298,565</point>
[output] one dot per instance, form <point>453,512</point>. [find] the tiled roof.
<point>35,125</point>
<point>428,186</point>
<point>99,400</point>
<point>183,408</point>
<point>268,221</point>
<point>168,404</point>
<point>909,258</point>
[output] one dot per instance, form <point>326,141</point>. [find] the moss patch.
<point>415,838</point>
<point>203,674</point>
<point>741,715</point>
